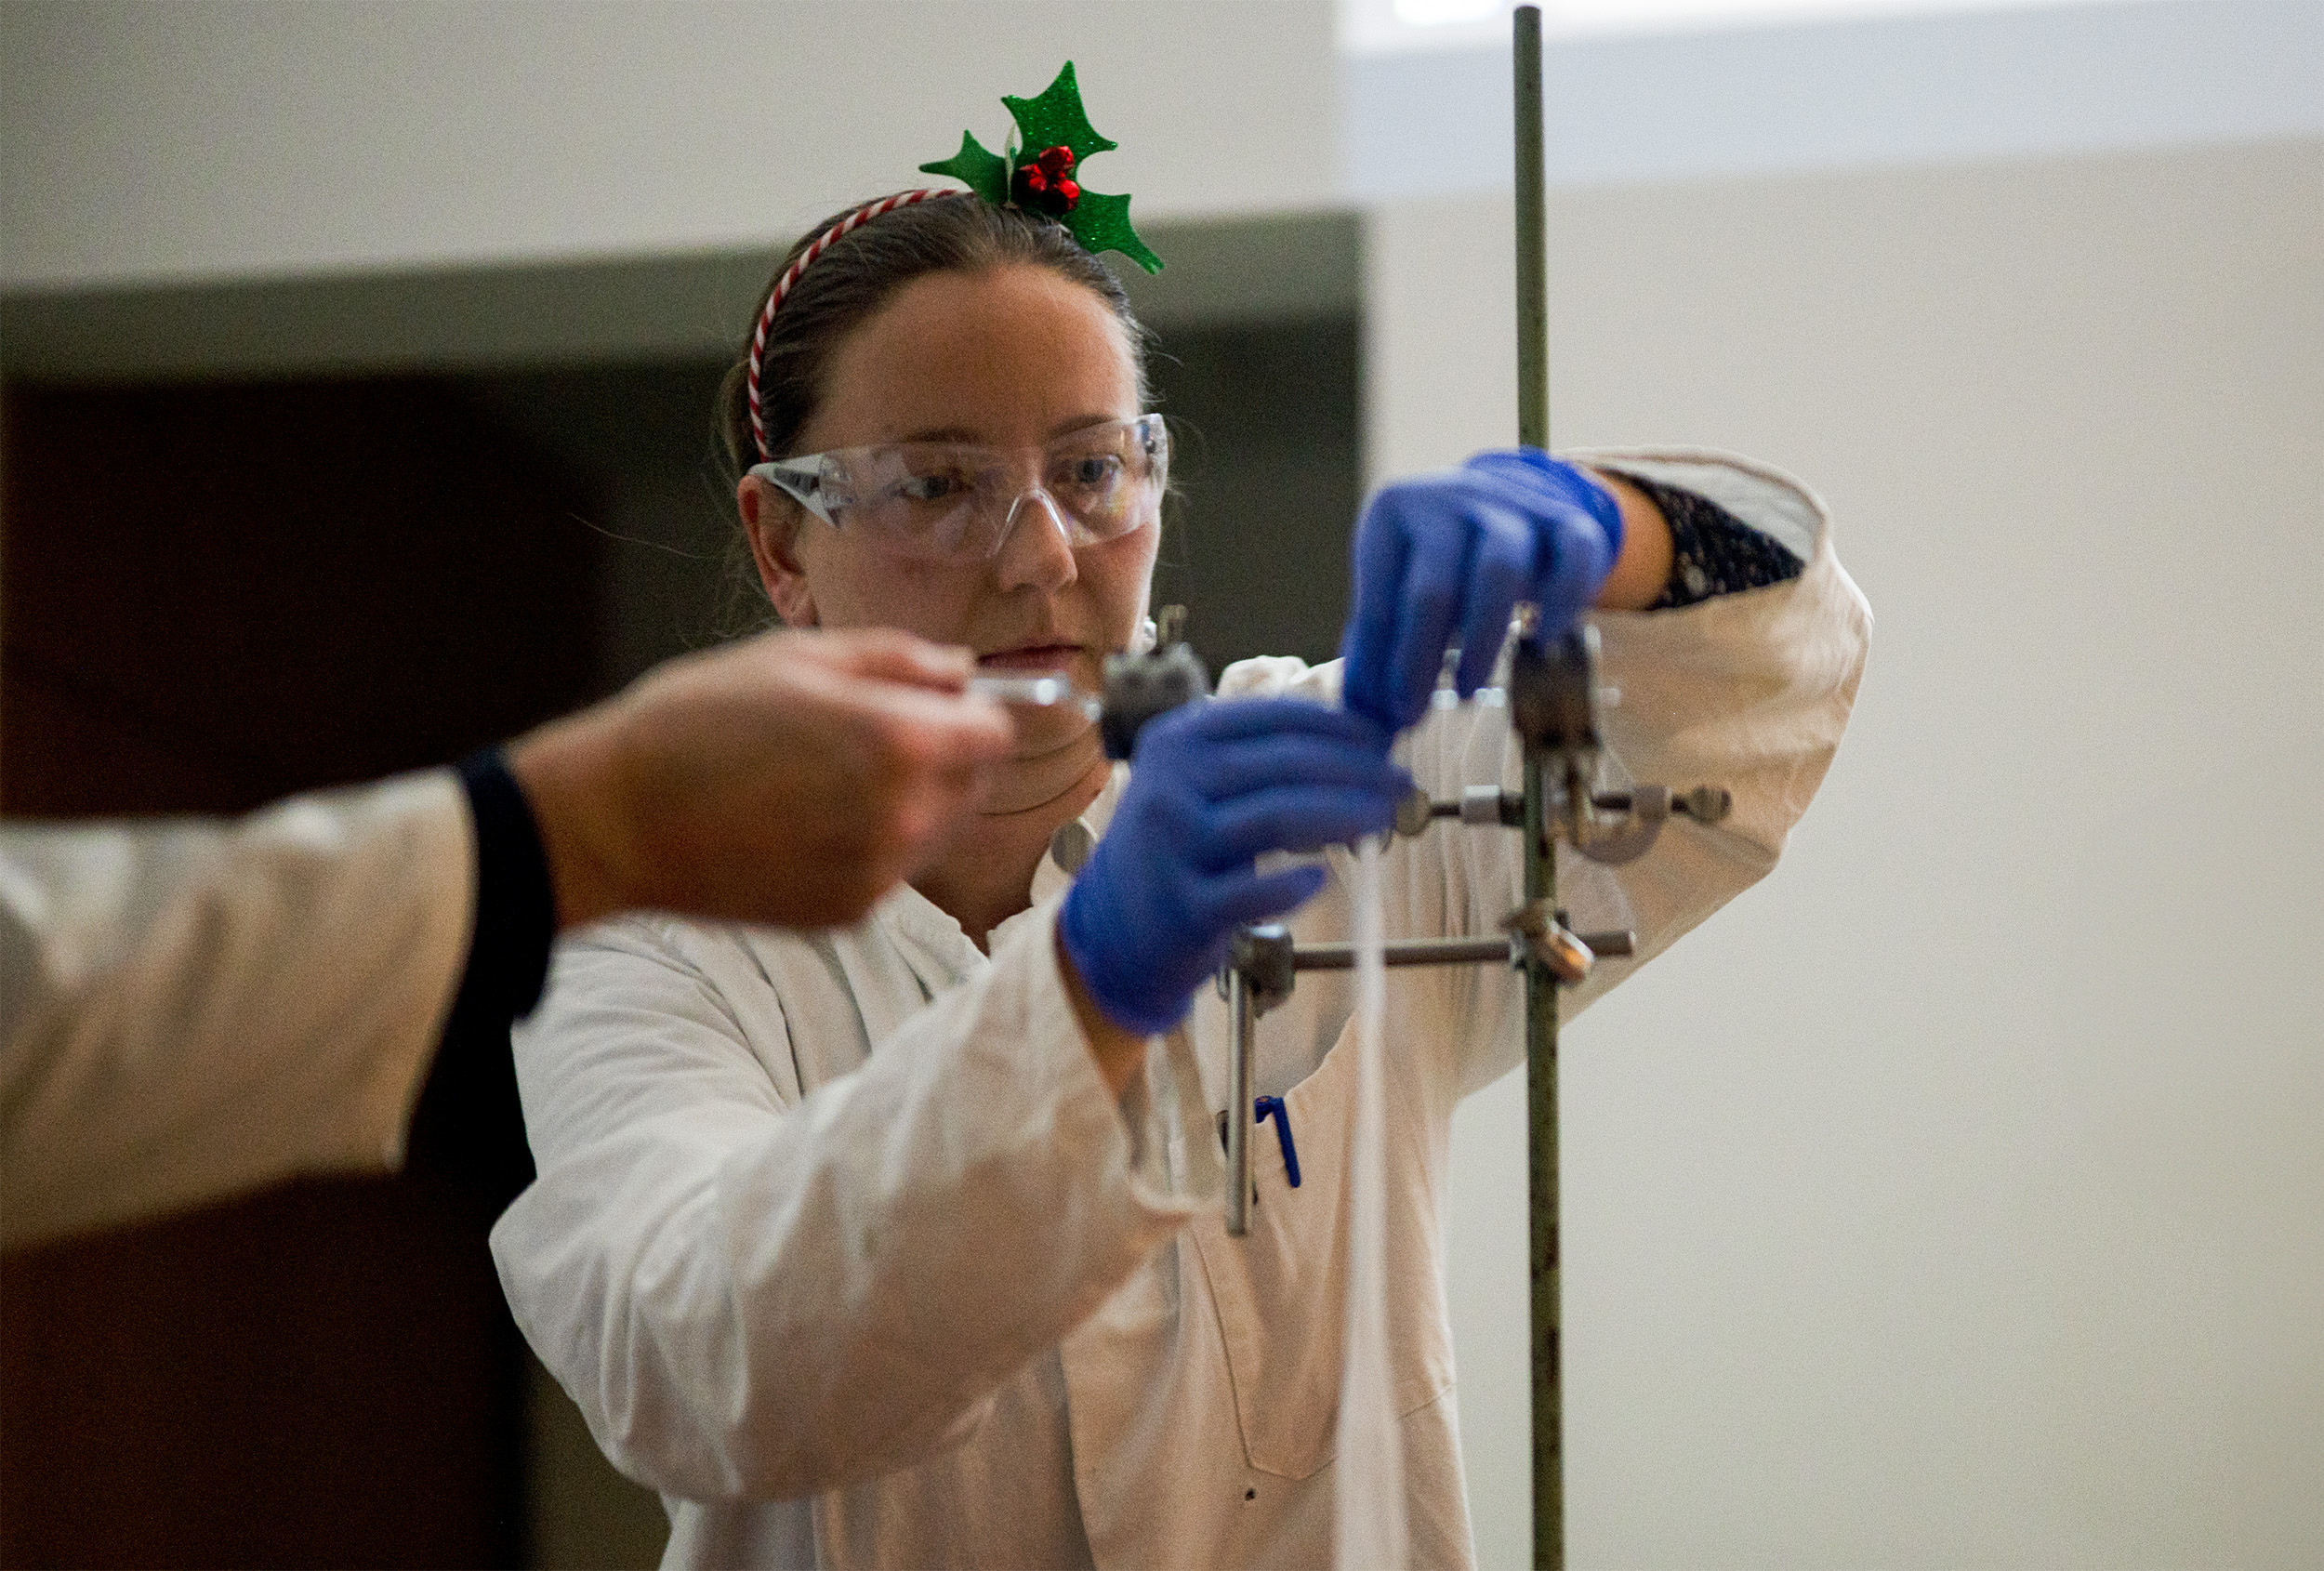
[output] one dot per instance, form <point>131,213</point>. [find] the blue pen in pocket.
<point>1272,1106</point>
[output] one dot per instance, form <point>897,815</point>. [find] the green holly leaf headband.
<point>1035,169</point>
<point>1059,136</point>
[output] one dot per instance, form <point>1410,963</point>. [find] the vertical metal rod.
<point>1540,852</point>
<point>1541,1004</point>
<point>1533,261</point>
<point>1239,1102</point>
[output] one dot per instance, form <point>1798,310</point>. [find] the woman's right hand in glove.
<point>1212,787</point>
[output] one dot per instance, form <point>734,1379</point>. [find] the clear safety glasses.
<point>952,501</point>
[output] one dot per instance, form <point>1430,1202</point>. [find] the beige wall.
<point>160,141</point>
<point>1957,1196</point>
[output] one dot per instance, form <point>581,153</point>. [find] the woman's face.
<point>1012,357</point>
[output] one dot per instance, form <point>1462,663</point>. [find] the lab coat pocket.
<point>1280,1291</point>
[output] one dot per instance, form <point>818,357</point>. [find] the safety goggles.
<point>954,501</point>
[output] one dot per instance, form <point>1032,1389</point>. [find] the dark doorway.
<point>212,596</point>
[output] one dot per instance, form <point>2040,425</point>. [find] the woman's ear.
<point>772,521</point>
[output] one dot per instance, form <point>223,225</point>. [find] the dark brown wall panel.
<point>286,585</point>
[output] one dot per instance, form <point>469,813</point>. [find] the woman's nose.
<point>1036,544</point>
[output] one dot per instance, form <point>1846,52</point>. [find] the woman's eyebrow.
<point>1081,423</point>
<point>962,434</point>
<point>941,433</point>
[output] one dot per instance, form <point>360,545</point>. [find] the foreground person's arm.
<point>192,1009</point>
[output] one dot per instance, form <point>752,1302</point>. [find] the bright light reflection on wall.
<point>1392,26</point>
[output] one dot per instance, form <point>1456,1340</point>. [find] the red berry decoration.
<point>1044,184</point>
<point>1056,167</point>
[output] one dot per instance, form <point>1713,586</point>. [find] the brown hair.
<point>858,275</point>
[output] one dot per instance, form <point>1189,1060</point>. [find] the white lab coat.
<point>840,1242</point>
<point>191,1009</point>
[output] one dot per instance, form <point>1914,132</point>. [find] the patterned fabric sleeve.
<point>1713,551</point>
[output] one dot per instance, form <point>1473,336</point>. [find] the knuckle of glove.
<point>1169,815</point>
<point>1523,466</point>
<point>1548,482</point>
<point>1395,512</point>
<point>1392,503</point>
<point>1584,552</point>
<point>1431,597</point>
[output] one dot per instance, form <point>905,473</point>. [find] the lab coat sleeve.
<point>190,1008</point>
<point>1749,690</point>
<point>755,1294</point>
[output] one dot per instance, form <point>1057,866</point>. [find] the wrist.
<point>1087,940</point>
<point>1118,1051</point>
<point>564,770</point>
<point>515,919</point>
<point>1642,566</point>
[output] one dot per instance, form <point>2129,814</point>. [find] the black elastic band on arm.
<point>516,906</point>
<point>468,1126</point>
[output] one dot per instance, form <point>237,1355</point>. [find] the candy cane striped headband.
<point>831,235</point>
<point>1055,137</point>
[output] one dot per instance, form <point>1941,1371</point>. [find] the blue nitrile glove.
<point>1449,555</point>
<point>1212,785</point>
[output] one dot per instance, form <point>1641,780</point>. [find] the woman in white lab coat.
<point>897,1244</point>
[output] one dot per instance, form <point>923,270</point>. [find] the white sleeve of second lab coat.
<point>192,1009</point>
<point>753,1297</point>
